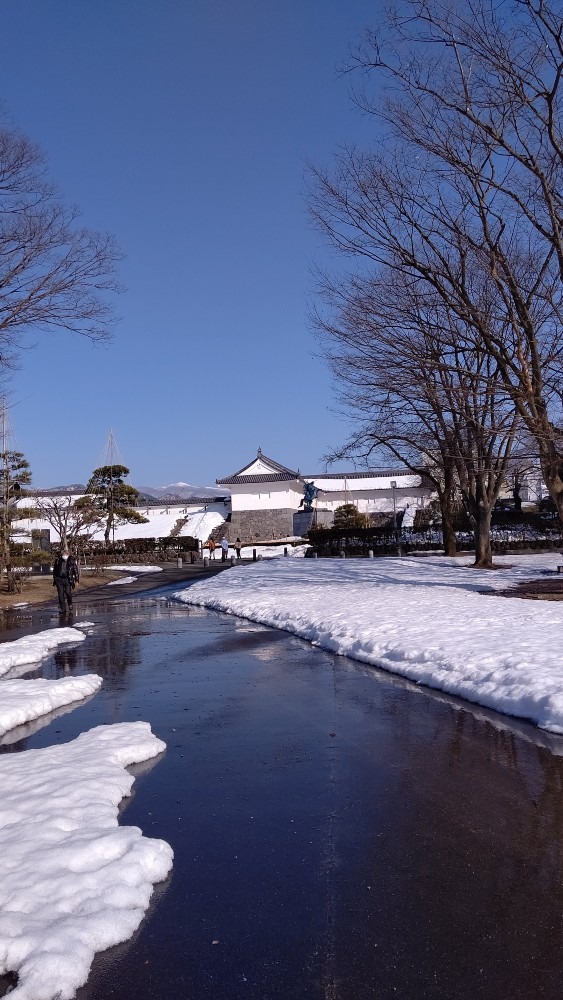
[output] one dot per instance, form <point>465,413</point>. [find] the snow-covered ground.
<point>264,551</point>
<point>139,569</point>
<point>273,551</point>
<point>199,523</point>
<point>433,620</point>
<point>72,882</point>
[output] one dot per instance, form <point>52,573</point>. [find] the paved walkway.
<point>170,574</point>
<point>337,832</point>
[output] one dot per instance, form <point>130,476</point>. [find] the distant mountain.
<point>182,491</point>
<point>73,488</point>
<point>175,492</point>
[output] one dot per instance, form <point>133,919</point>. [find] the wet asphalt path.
<point>338,833</point>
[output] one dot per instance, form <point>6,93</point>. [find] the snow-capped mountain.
<point>182,491</point>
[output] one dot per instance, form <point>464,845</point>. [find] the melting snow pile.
<point>26,700</point>
<point>72,882</point>
<point>433,620</point>
<point>33,648</point>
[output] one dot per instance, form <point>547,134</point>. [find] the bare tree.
<point>471,95</point>
<point>69,517</point>
<point>379,384</point>
<point>483,74</point>
<point>54,273</point>
<point>417,388</point>
<point>523,468</point>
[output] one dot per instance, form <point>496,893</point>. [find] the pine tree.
<point>108,493</point>
<point>348,516</point>
<point>14,474</point>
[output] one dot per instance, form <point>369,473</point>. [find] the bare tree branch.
<point>54,273</point>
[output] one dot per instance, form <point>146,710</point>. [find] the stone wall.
<point>260,525</point>
<point>305,519</point>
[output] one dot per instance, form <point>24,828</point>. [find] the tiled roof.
<point>281,473</point>
<point>273,477</point>
<point>366,474</point>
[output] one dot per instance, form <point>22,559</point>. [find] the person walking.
<point>211,546</point>
<point>65,577</point>
<point>224,549</point>
<point>238,546</point>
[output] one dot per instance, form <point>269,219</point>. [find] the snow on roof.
<point>366,481</point>
<point>266,470</point>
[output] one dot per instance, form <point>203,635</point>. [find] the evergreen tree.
<point>111,496</point>
<point>348,516</point>
<point>14,474</point>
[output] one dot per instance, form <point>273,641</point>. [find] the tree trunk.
<point>551,461</point>
<point>482,535</point>
<point>445,498</point>
<point>550,464</point>
<point>5,557</point>
<point>448,532</point>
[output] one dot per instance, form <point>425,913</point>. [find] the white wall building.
<point>266,496</point>
<point>197,519</point>
<point>266,503</point>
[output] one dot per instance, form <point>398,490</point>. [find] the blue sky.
<point>183,127</point>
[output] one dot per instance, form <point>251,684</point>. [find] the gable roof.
<point>272,472</point>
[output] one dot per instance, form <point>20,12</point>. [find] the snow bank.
<point>273,551</point>
<point>24,701</point>
<point>433,620</point>
<point>33,648</point>
<point>124,579</point>
<point>72,882</point>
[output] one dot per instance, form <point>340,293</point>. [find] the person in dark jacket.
<point>65,578</point>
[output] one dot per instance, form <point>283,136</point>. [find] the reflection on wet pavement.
<point>338,833</point>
